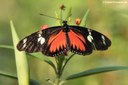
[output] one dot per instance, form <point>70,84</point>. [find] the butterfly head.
<point>65,26</point>
<point>64,23</point>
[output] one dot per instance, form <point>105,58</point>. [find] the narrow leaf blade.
<point>21,60</point>
<point>96,71</point>
<point>6,46</point>
<point>6,74</point>
<point>45,59</point>
<point>83,22</point>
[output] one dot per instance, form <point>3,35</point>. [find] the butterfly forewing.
<point>101,42</point>
<point>36,41</point>
<point>32,43</point>
<point>97,40</point>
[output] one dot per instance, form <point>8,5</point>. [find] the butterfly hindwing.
<point>78,42</point>
<point>57,44</point>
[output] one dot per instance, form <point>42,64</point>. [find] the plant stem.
<point>59,62</point>
<point>57,81</point>
<point>60,65</point>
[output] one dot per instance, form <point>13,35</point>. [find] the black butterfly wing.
<point>78,41</point>
<point>55,41</point>
<point>94,40</point>
<point>99,41</point>
<point>37,42</point>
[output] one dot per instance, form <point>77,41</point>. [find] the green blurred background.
<point>109,18</point>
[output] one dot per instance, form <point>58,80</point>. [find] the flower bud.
<point>44,27</point>
<point>78,21</point>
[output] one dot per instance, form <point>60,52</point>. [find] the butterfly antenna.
<point>61,16</point>
<point>62,8</point>
<point>50,16</point>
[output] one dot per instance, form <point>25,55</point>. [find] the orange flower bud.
<point>78,21</point>
<point>44,27</point>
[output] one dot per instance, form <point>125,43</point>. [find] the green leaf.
<point>32,82</point>
<point>6,46</point>
<point>83,22</point>
<point>8,75</point>
<point>21,60</point>
<point>45,59</point>
<point>95,71</point>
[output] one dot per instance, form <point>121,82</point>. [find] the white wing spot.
<point>24,41</point>
<point>103,39</point>
<point>24,46</point>
<point>90,38</point>
<point>89,30</point>
<point>41,40</point>
<point>39,35</point>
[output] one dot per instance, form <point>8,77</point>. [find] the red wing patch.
<point>77,41</point>
<point>57,42</point>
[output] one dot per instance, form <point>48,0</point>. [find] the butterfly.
<point>58,40</point>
